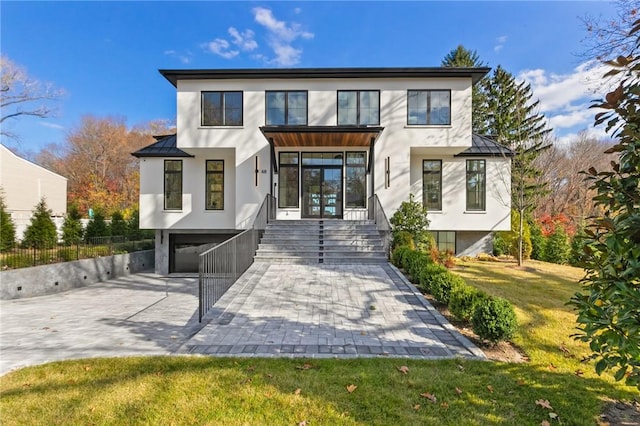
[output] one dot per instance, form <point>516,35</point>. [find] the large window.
<point>429,107</point>
<point>215,185</point>
<point>288,180</point>
<point>222,108</point>
<point>288,108</point>
<point>445,240</point>
<point>476,185</point>
<point>356,193</point>
<point>358,107</point>
<point>432,184</point>
<point>172,184</point>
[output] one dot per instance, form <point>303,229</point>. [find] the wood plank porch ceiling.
<point>320,136</point>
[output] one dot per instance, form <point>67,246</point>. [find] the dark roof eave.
<point>173,76</point>
<point>181,154</point>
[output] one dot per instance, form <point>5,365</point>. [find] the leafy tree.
<point>513,121</point>
<point>41,232</point>
<point>7,227</point>
<point>97,227</point>
<point>118,224</point>
<point>21,95</point>
<point>557,248</point>
<point>609,304</point>
<point>508,242</point>
<point>411,217</point>
<point>462,57</point>
<point>72,227</point>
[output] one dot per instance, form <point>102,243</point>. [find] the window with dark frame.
<point>288,178</point>
<point>476,185</point>
<point>173,184</point>
<point>432,184</point>
<point>445,240</point>
<point>429,107</point>
<point>358,107</point>
<point>286,108</point>
<point>222,108</point>
<point>356,190</point>
<point>214,185</point>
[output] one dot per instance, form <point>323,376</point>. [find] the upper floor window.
<point>173,184</point>
<point>429,107</point>
<point>222,108</point>
<point>432,184</point>
<point>215,185</point>
<point>476,185</point>
<point>286,108</point>
<point>358,107</point>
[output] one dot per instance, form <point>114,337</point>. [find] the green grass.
<point>240,391</point>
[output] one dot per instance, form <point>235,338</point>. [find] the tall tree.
<point>96,159</point>
<point>512,119</point>
<point>462,57</point>
<point>41,232</point>
<point>21,95</point>
<point>7,227</point>
<point>609,309</point>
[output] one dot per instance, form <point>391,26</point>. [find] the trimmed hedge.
<point>398,255</point>
<point>427,274</point>
<point>443,284</point>
<point>494,319</point>
<point>463,300</point>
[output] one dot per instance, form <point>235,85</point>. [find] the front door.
<point>322,190</point>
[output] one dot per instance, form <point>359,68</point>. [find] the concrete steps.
<point>321,241</point>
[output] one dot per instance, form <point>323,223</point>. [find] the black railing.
<point>45,254</point>
<point>221,266</point>
<point>377,214</point>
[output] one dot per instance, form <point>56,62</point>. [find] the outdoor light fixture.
<point>387,172</point>
<point>257,171</point>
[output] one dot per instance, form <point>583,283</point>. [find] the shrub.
<point>463,300</point>
<point>398,255</point>
<point>72,227</point>
<point>557,248</point>
<point>538,241</point>
<point>7,227</point>
<point>416,262</point>
<point>97,227</point>
<point>576,255</point>
<point>427,274</point>
<point>18,260</point>
<point>509,239</point>
<point>411,217</point>
<point>403,238</point>
<point>118,224</point>
<point>68,253</point>
<point>494,319</point>
<point>500,247</point>
<point>41,232</point>
<point>443,284</point>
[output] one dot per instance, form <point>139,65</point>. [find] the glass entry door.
<point>322,192</point>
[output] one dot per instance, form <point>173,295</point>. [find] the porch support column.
<point>371,166</point>
<point>274,165</point>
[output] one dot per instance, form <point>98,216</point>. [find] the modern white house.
<point>24,183</point>
<point>322,141</point>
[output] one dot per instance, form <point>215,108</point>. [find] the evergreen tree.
<point>118,224</point>
<point>97,227</point>
<point>557,248</point>
<point>513,121</point>
<point>460,57</point>
<point>72,227</point>
<point>7,227</point>
<point>538,240</point>
<point>41,232</point>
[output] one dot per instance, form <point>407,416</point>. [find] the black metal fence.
<point>24,257</point>
<point>223,264</point>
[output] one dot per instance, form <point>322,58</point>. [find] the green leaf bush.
<point>494,319</point>
<point>426,276</point>
<point>443,284</point>
<point>463,300</point>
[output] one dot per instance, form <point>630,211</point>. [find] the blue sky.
<point>105,55</point>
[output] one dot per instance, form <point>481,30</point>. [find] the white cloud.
<point>184,58</point>
<point>221,47</point>
<point>281,35</point>
<point>51,125</point>
<point>565,98</point>
<point>500,43</point>
<point>244,40</point>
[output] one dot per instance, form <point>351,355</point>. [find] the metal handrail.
<point>221,266</point>
<point>377,214</point>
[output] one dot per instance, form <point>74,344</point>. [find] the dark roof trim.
<point>314,73</point>
<point>165,147</point>
<point>321,129</point>
<point>483,146</point>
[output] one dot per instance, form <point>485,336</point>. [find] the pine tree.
<point>118,224</point>
<point>461,57</point>
<point>7,227</point>
<point>41,232</point>
<point>512,119</point>
<point>72,227</point>
<point>97,227</point>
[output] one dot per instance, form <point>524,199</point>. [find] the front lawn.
<point>241,391</point>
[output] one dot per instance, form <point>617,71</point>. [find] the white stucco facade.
<point>395,172</point>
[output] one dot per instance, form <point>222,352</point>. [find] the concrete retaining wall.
<point>59,277</point>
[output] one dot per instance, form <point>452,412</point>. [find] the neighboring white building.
<point>322,141</point>
<point>24,183</point>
